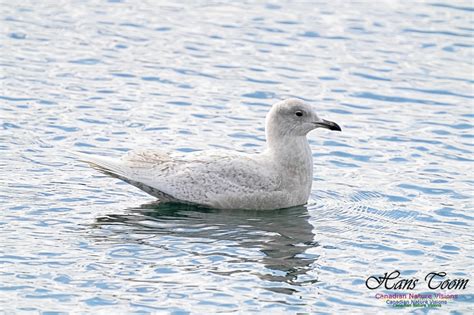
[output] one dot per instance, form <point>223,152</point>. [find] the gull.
<point>279,177</point>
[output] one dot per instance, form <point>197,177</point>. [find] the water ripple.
<point>393,191</point>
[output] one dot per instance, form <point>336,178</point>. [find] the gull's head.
<point>294,117</point>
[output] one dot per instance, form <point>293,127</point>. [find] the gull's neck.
<point>290,150</point>
<point>292,158</point>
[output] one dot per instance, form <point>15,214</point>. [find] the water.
<point>393,191</point>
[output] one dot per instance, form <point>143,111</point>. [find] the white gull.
<point>279,177</point>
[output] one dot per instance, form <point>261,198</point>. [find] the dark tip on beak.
<point>329,125</point>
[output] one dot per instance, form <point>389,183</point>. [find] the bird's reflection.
<point>282,236</point>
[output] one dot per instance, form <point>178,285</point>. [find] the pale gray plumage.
<point>279,177</point>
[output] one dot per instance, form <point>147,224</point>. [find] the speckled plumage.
<point>279,177</point>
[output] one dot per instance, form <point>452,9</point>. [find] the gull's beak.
<point>328,125</point>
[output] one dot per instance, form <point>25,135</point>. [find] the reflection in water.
<point>281,236</point>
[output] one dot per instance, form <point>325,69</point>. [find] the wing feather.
<point>198,177</point>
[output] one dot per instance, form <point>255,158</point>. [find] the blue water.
<point>393,191</point>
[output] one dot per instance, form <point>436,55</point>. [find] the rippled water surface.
<point>392,191</point>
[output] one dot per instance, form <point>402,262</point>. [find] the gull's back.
<point>216,178</point>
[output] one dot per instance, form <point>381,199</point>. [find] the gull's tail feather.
<point>107,166</point>
<point>119,169</point>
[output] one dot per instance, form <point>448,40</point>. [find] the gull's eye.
<point>299,113</point>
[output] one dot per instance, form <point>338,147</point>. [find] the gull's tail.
<point>120,169</point>
<point>108,166</point>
